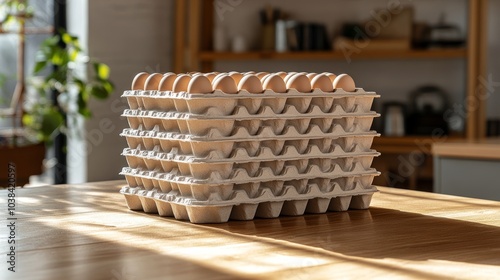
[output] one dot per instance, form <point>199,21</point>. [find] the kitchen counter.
<point>86,232</point>
<point>468,168</point>
<point>477,149</point>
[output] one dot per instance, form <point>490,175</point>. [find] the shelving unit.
<point>209,56</point>
<point>194,53</point>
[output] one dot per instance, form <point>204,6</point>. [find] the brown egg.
<point>288,76</point>
<point>275,83</point>
<point>263,79</point>
<point>322,82</point>
<point>200,84</point>
<point>282,74</point>
<point>225,84</point>
<point>220,75</point>
<point>311,76</point>
<point>251,84</point>
<point>261,75</point>
<point>210,76</point>
<point>236,76</point>
<point>181,83</point>
<point>344,82</point>
<point>167,82</point>
<point>300,82</point>
<point>139,81</point>
<point>330,75</point>
<point>153,81</point>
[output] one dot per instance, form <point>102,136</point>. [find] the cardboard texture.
<point>214,156</point>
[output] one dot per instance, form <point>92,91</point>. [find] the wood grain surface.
<point>86,232</point>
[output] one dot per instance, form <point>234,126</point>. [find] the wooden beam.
<point>472,67</point>
<point>476,69</point>
<point>482,66</point>
<point>180,30</point>
<point>207,34</point>
<point>194,34</point>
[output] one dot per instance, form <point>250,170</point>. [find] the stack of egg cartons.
<point>212,147</point>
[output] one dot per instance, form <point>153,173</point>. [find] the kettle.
<point>394,118</point>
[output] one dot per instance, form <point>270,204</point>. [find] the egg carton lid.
<point>242,134</point>
<point>241,155</point>
<point>241,176</point>
<point>240,196</point>
<point>241,113</point>
<point>217,94</point>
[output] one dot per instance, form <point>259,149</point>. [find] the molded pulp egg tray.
<point>207,156</point>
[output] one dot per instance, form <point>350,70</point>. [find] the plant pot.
<point>27,159</point>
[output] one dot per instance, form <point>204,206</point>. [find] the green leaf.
<point>85,112</point>
<point>82,104</point>
<point>108,86</point>
<point>60,57</point>
<point>9,19</point>
<point>73,55</point>
<point>98,91</point>
<point>80,85</point>
<point>52,119</point>
<point>28,120</point>
<point>67,39</point>
<point>51,41</point>
<point>56,58</point>
<point>101,70</point>
<point>40,65</point>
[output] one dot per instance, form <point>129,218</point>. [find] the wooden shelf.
<point>335,55</point>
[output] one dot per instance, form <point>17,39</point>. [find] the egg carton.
<point>219,103</point>
<point>215,140</point>
<point>241,113</point>
<point>251,172</point>
<point>224,149</point>
<point>264,112</point>
<point>240,206</point>
<point>252,190</point>
<point>153,180</point>
<point>154,159</point>
<point>188,124</point>
<point>202,170</point>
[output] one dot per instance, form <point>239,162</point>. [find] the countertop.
<point>86,232</point>
<point>476,149</point>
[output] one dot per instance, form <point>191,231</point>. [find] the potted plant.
<point>45,118</point>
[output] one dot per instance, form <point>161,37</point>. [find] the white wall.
<point>77,14</point>
<point>131,36</point>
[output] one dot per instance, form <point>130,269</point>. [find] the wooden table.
<point>86,232</point>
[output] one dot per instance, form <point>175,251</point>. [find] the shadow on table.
<point>380,233</point>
